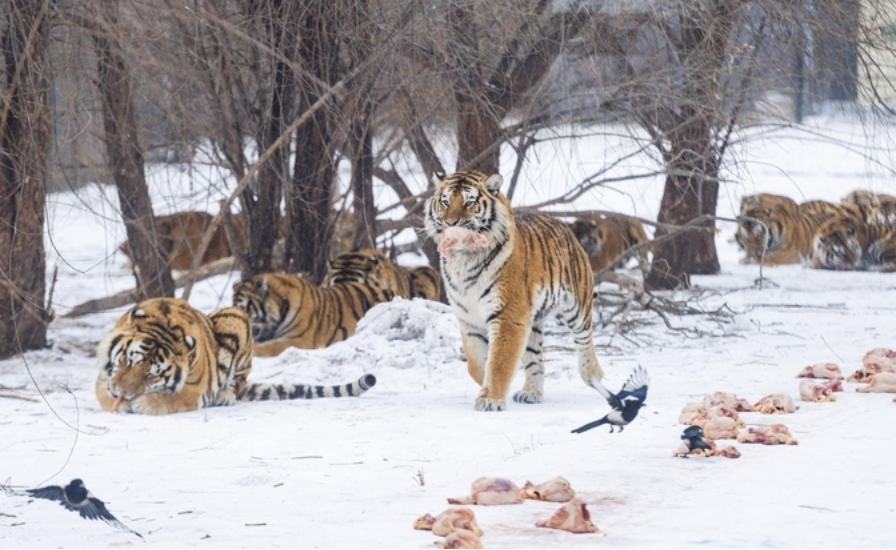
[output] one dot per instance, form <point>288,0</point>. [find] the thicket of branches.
<point>278,93</point>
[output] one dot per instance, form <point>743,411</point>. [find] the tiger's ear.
<point>138,313</point>
<point>493,183</point>
<point>190,342</point>
<point>437,178</point>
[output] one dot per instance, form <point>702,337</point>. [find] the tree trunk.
<point>691,252</point>
<point>478,117</point>
<point>418,141</point>
<point>24,143</point>
<point>837,53</point>
<point>261,200</point>
<point>478,130</point>
<point>483,94</point>
<point>309,199</point>
<point>693,156</point>
<point>362,173</point>
<point>359,39</point>
<point>125,157</point>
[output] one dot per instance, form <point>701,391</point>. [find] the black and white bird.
<point>694,439</point>
<point>626,403</point>
<point>77,498</point>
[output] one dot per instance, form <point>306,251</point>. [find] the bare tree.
<point>688,67</point>
<point>362,112</point>
<point>24,142</point>
<point>687,132</point>
<point>486,86</point>
<point>125,154</point>
<point>310,192</point>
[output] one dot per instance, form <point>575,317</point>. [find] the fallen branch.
<point>633,297</point>
<point>10,396</point>
<point>218,267</point>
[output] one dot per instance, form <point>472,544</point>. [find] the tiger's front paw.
<point>225,398</point>
<point>488,404</point>
<point>528,397</point>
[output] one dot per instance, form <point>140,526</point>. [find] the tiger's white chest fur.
<point>471,277</point>
<point>472,290</point>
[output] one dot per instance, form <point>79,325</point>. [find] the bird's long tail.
<point>281,392</point>
<point>590,425</point>
<point>604,392</point>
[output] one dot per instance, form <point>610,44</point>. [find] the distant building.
<point>878,48</point>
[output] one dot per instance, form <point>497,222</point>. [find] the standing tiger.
<point>289,311</point>
<point>608,240</point>
<point>165,357</point>
<point>372,266</point>
<point>523,269</point>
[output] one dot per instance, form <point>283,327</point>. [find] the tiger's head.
<point>152,349</point>
<point>471,200</point>
<point>840,243</point>
<point>766,230</point>
<point>591,234</point>
<point>266,301</point>
<point>366,266</point>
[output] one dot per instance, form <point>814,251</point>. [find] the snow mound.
<point>401,334</point>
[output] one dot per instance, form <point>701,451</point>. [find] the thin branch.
<point>125,297</point>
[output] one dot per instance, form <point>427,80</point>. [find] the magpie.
<point>626,403</point>
<point>77,498</point>
<point>694,439</point>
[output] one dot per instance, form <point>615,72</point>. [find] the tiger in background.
<point>780,228</point>
<point>874,208</point>
<point>608,241</point>
<point>165,357</point>
<point>179,235</point>
<point>289,311</point>
<point>529,268</point>
<point>765,199</point>
<point>371,266</point>
<point>850,242</point>
<point>862,197</point>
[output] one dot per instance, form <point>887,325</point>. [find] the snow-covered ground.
<point>356,472</point>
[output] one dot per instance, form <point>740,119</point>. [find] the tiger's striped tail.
<point>281,392</point>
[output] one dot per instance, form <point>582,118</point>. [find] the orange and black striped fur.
<point>289,311</point>
<point>165,357</point>
<point>179,235</point>
<point>763,229</point>
<point>860,239</point>
<point>873,208</point>
<point>608,241</point>
<point>782,227</point>
<point>862,197</point>
<point>370,266</point>
<point>531,269</point>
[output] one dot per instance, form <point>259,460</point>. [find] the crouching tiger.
<point>370,266</point>
<point>289,311</point>
<point>165,357</point>
<point>860,239</point>
<point>504,275</point>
